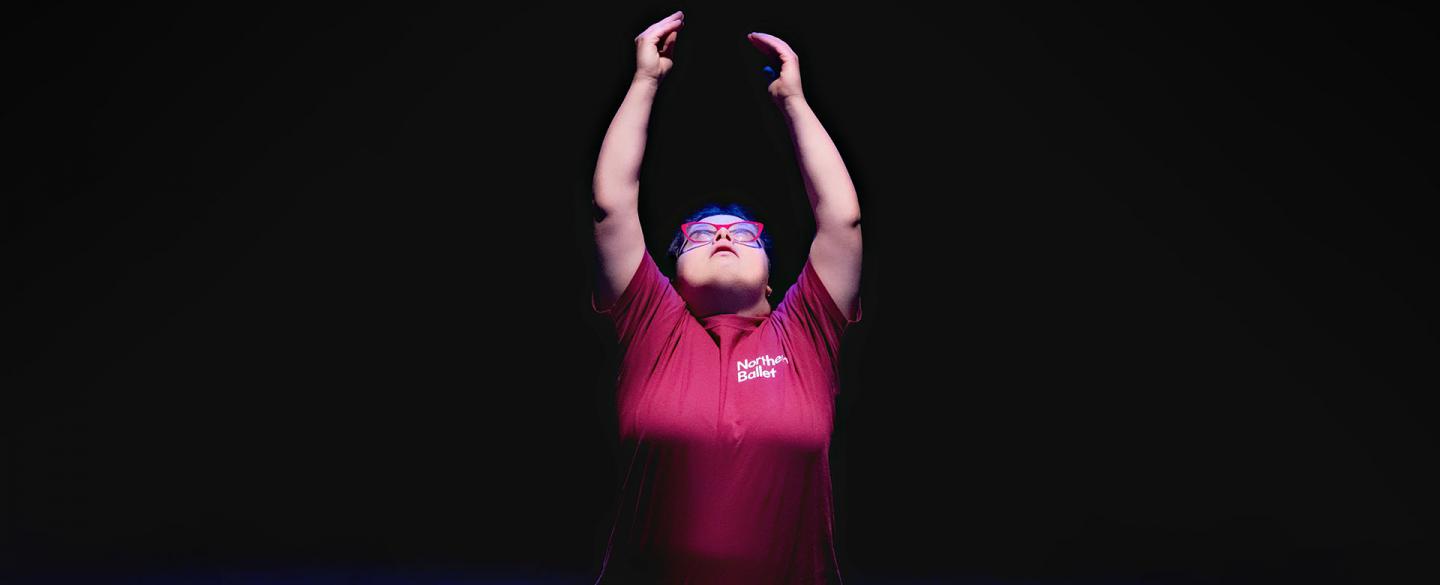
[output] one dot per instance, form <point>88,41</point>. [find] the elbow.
<point>602,208</point>
<point>837,214</point>
<point>838,224</point>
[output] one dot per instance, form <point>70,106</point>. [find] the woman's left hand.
<point>787,85</point>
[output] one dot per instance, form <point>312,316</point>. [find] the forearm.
<point>616,182</point>
<point>827,182</point>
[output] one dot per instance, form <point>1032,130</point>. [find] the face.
<point>723,266</point>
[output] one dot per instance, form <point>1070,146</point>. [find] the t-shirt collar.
<point>732,319</point>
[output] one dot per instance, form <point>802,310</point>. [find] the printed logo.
<point>755,368</point>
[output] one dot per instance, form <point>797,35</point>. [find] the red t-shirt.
<point>726,421</point>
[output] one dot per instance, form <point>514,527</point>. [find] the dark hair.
<point>735,209</point>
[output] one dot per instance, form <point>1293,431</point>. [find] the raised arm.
<point>835,252</point>
<point>619,241</point>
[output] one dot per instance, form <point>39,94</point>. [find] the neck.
<point>706,308</point>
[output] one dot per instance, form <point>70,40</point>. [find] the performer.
<point>725,405</point>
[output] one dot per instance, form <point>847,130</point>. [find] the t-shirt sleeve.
<point>648,302</point>
<point>808,310</point>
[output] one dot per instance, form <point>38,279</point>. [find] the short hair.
<point>678,244</point>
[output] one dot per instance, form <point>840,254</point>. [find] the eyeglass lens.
<point>742,232</point>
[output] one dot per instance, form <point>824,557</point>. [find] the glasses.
<point>741,232</point>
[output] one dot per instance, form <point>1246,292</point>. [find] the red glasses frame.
<point>759,229</point>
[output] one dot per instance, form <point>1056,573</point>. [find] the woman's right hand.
<point>655,46</point>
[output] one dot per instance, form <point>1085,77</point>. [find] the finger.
<point>660,30</point>
<point>678,15</point>
<point>669,41</point>
<point>664,26</point>
<point>773,46</point>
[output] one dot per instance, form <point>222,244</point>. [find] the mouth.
<point>720,249</point>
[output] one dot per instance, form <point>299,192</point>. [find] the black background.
<point>1148,292</point>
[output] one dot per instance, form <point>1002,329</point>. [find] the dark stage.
<point>300,294</point>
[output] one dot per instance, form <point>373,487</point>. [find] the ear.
<point>768,292</point>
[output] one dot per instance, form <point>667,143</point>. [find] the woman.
<point>725,405</point>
